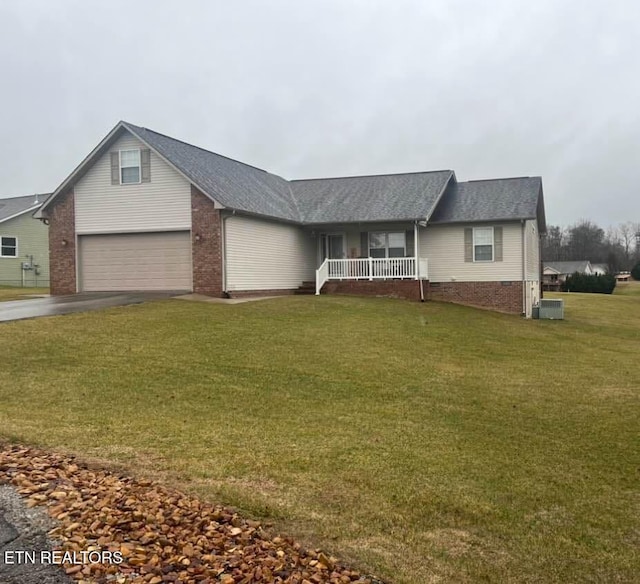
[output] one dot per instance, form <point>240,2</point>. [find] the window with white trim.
<point>483,244</point>
<point>390,244</point>
<point>8,247</point>
<point>129,166</point>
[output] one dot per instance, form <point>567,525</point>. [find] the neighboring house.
<point>144,211</point>
<point>24,243</point>
<point>623,277</point>
<point>555,273</point>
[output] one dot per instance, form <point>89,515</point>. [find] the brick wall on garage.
<point>502,296</point>
<point>206,245</point>
<point>62,245</point>
<point>408,289</point>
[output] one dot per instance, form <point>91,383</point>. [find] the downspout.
<point>224,251</point>
<point>524,273</point>
<point>416,250</point>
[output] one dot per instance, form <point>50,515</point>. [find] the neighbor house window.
<point>387,244</point>
<point>8,247</point>
<point>129,166</point>
<point>483,244</point>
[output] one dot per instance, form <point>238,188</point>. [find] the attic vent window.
<point>129,167</point>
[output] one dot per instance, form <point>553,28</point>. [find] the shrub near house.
<point>594,283</point>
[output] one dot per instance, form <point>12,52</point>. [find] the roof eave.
<point>41,213</point>
<point>99,150</point>
<point>30,209</point>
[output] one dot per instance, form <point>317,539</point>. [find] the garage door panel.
<point>135,261</point>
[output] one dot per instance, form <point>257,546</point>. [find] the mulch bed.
<point>162,535</point>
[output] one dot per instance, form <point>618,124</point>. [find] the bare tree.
<point>627,240</point>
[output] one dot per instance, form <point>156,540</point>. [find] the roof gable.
<point>491,200</point>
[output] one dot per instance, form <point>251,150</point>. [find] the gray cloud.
<point>335,87</point>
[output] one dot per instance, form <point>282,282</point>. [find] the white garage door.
<point>135,261</point>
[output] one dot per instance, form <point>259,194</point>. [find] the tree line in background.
<point>618,247</point>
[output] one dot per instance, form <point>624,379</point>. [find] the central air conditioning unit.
<point>549,309</point>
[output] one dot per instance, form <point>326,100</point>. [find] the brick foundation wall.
<point>408,289</point>
<point>62,245</point>
<point>253,293</point>
<point>206,245</point>
<point>502,296</point>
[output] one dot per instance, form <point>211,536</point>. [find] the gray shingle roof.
<point>247,188</point>
<point>234,184</point>
<point>392,197</point>
<point>16,205</point>
<point>570,267</point>
<point>389,197</point>
<point>490,200</point>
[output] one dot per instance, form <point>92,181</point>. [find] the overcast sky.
<point>337,87</point>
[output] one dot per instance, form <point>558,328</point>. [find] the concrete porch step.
<point>306,288</point>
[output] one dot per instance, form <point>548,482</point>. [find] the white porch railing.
<point>371,269</point>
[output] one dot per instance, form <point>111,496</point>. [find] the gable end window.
<point>8,247</point>
<point>483,244</point>
<point>129,167</point>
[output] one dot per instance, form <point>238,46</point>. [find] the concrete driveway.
<point>20,309</point>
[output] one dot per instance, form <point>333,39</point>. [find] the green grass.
<point>631,288</point>
<point>14,293</point>
<point>422,442</point>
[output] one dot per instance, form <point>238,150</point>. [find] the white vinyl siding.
<point>135,261</point>
<point>533,251</point>
<point>443,246</point>
<point>162,204</point>
<point>266,255</point>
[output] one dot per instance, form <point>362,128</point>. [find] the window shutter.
<point>364,244</point>
<point>145,165</point>
<point>497,244</point>
<point>468,244</point>
<point>115,168</point>
<point>410,242</point>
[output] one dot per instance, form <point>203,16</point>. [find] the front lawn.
<point>422,442</point>
<point>631,288</point>
<point>14,293</point>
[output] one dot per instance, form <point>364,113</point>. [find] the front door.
<point>332,246</point>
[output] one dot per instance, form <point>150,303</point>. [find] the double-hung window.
<point>483,244</point>
<point>8,247</point>
<point>129,166</point>
<point>390,244</point>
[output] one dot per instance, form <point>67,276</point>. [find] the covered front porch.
<point>369,252</point>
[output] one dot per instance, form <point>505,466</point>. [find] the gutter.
<point>416,245</point>
<point>224,251</point>
<point>524,273</point>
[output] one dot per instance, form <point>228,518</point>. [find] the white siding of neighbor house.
<point>443,246</point>
<point>533,251</point>
<point>266,255</point>
<point>162,204</point>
